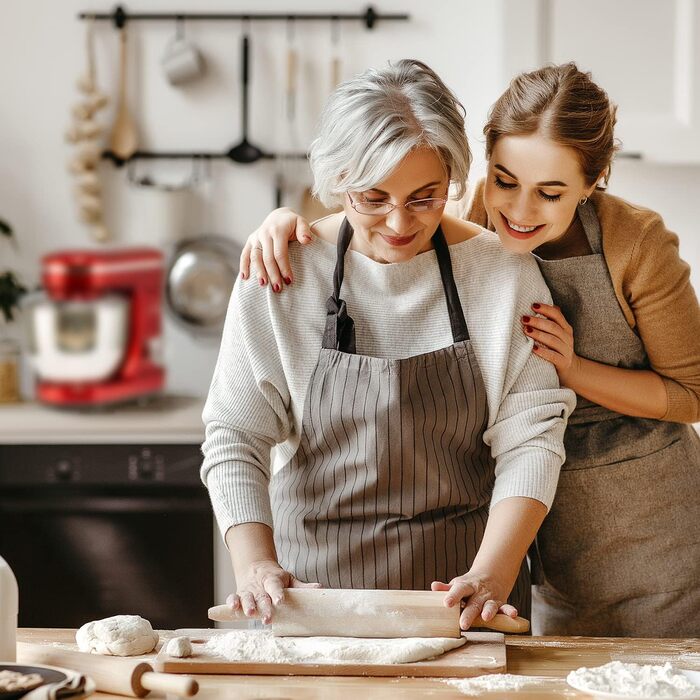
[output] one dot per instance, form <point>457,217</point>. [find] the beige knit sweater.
<point>271,342</point>
<point>653,288</point>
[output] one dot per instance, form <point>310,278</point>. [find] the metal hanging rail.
<point>120,16</point>
<point>195,155</point>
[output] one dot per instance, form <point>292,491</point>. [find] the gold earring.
<point>582,201</point>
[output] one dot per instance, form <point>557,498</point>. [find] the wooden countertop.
<point>548,658</point>
<point>165,419</point>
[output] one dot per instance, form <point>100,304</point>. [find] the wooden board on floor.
<point>484,652</point>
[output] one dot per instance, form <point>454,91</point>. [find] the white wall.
<point>41,50</point>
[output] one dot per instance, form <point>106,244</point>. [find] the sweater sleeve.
<point>527,434</point>
<point>658,289</point>
<point>245,413</point>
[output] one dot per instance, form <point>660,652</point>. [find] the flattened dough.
<point>261,646</point>
<point>120,635</point>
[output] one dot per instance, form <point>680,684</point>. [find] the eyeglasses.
<point>415,206</point>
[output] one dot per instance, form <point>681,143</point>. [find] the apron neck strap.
<point>460,332</point>
<point>591,226</point>
<point>340,328</point>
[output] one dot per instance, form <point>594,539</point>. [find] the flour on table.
<point>633,680</point>
<point>690,657</point>
<point>499,681</point>
<point>120,635</point>
<point>179,647</point>
<point>261,646</point>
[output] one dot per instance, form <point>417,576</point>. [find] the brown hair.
<point>565,105</point>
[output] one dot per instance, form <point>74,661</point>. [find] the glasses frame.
<point>405,205</point>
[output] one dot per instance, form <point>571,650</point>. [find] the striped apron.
<point>391,484</point>
<point>620,548</point>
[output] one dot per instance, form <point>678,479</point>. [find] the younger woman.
<point>619,553</point>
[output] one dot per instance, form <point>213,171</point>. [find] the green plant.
<point>11,290</point>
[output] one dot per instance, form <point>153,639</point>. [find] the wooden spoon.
<point>124,140</point>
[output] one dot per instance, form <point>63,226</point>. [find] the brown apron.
<point>391,484</point>
<point>620,549</point>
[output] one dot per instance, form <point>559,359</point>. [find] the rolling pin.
<point>308,612</point>
<point>112,674</point>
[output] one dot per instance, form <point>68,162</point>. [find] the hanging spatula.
<point>368,613</point>
<point>124,139</point>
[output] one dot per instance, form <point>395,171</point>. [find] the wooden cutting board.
<point>484,652</point>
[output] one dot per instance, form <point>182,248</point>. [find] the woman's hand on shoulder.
<point>261,587</point>
<point>266,252</point>
<point>554,339</point>
<point>484,596</point>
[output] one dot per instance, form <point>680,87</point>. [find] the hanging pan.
<point>199,281</point>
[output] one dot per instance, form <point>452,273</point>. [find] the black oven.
<point>97,530</point>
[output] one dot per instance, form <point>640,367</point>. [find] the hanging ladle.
<point>246,152</point>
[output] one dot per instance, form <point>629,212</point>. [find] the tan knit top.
<point>653,287</point>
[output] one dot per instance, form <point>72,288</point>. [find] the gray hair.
<point>373,121</point>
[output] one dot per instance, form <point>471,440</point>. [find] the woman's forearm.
<point>511,528</point>
<point>249,544</point>
<point>632,392</point>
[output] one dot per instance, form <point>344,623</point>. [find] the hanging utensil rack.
<point>119,17</point>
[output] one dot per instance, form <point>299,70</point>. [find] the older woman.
<point>420,435</point>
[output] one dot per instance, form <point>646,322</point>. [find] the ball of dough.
<point>120,635</point>
<point>179,647</point>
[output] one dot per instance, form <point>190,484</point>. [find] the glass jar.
<point>9,370</point>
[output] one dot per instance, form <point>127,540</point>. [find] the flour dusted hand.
<point>120,635</point>
<point>485,596</point>
<point>261,587</point>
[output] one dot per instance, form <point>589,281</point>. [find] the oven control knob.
<point>145,468</point>
<point>63,470</point>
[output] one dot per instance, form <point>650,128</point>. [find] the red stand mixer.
<point>95,332</point>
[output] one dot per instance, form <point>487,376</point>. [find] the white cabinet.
<point>644,53</point>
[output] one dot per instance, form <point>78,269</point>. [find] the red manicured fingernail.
<point>526,319</point>
<point>528,329</point>
<point>287,280</point>
<point>535,306</point>
<point>262,282</point>
<point>276,287</point>
<point>243,275</point>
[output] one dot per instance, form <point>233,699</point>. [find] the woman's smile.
<point>397,240</point>
<point>520,231</point>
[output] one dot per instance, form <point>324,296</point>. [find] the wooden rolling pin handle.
<point>503,623</point>
<point>148,680</point>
